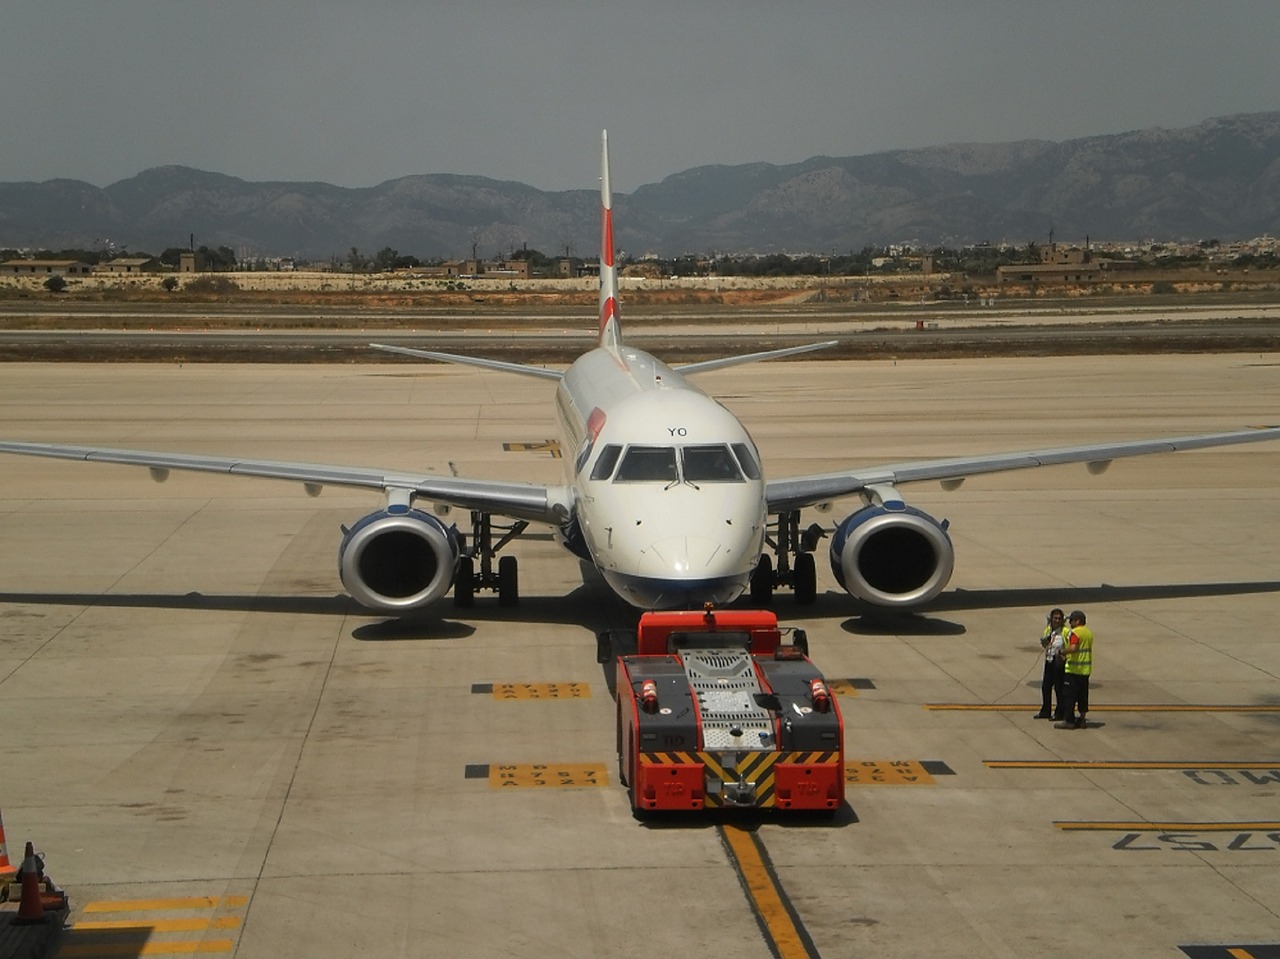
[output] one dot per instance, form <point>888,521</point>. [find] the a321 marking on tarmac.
<point>540,775</point>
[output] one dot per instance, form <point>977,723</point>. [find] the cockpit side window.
<point>648,464</point>
<point>605,463</point>
<point>748,461</point>
<point>709,464</point>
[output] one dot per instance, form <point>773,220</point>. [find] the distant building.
<point>448,270</point>
<point>45,268</point>
<point>515,269</point>
<point>130,265</point>
<point>1050,273</point>
<point>1058,264</point>
<point>494,269</point>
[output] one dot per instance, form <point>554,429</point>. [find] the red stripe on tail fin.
<point>610,328</point>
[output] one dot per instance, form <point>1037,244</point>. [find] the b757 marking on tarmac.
<point>894,772</point>
<point>509,691</point>
<point>540,775</point>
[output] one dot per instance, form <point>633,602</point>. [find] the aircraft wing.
<point>722,362</point>
<point>542,504</point>
<point>541,372</point>
<point>798,491</point>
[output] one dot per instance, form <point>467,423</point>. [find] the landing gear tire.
<point>805,579</point>
<point>464,584</point>
<point>508,581</point>
<point>762,582</point>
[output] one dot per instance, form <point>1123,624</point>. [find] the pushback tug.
<point>716,711</point>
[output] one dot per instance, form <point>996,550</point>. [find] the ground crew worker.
<point>1076,672</point>
<point>1052,642</point>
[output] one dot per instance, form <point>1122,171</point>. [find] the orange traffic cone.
<point>7,869</point>
<point>30,908</point>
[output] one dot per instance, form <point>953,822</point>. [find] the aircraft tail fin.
<point>610,327</point>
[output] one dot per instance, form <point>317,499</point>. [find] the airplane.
<point>665,493</point>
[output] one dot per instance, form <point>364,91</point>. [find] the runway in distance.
<point>664,493</point>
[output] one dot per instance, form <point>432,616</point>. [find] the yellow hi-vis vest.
<point>1080,658</point>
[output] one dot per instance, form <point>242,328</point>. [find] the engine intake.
<point>895,556</point>
<point>398,559</point>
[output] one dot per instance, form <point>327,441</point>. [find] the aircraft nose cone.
<point>690,557</point>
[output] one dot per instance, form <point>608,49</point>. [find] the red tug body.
<point>715,711</point>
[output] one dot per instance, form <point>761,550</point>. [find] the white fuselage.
<point>669,497</point>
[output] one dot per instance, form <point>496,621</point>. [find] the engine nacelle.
<point>895,556</point>
<point>398,559</point>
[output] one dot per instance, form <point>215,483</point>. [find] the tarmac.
<point>218,752</point>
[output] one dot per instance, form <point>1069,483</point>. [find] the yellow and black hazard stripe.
<point>754,766</point>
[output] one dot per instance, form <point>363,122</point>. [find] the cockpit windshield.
<point>709,464</point>
<point>712,463</point>
<point>648,464</point>
<point>605,463</point>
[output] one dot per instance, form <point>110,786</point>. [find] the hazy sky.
<point>361,91</point>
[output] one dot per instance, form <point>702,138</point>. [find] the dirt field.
<point>415,291</point>
<point>332,318</point>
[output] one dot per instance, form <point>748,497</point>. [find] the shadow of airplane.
<point>592,606</point>
<point>1084,595</point>
<point>924,621</point>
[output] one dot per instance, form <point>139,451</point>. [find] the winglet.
<point>610,329</point>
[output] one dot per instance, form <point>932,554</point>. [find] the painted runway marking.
<point>849,687</point>
<point>864,772</point>
<point>510,691</point>
<point>776,916</point>
<point>540,775</point>
<point>150,905</point>
<point>894,772</point>
<point>1129,708</point>
<point>136,935</point>
<point>196,924</point>
<point>1132,826</point>
<point>1122,764</point>
<point>117,949</point>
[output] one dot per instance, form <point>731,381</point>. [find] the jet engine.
<point>398,559</point>
<point>892,555</point>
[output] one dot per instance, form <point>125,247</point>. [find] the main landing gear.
<point>482,549</point>
<point>794,565</point>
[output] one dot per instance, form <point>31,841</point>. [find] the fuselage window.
<point>709,464</point>
<point>607,461</point>
<point>648,464</point>
<point>745,457</point>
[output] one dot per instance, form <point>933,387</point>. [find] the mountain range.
<point>1217,179</point>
